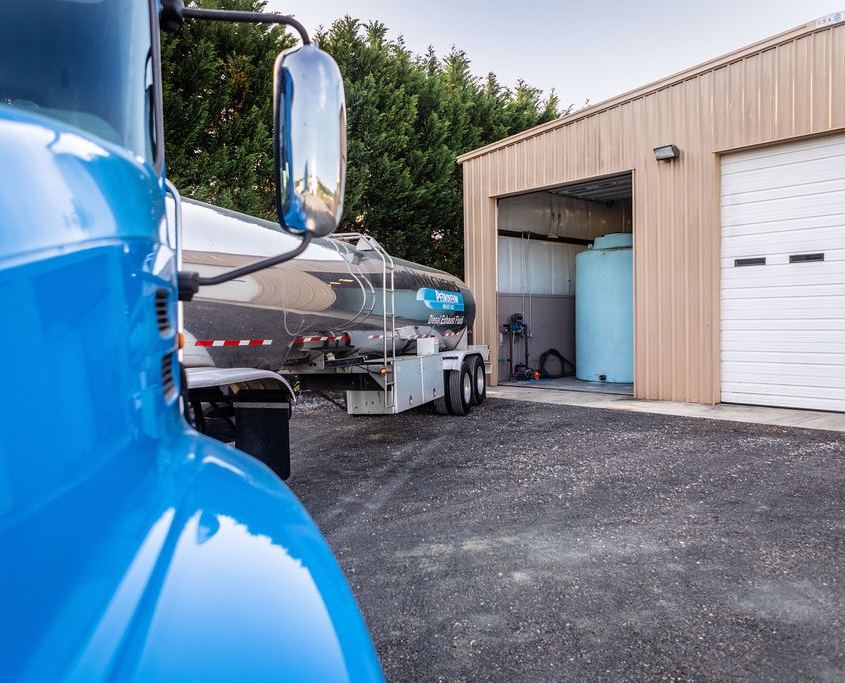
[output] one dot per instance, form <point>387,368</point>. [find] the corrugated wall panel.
<point>804,87</point>
<point>792,85</point>
<point>821,83</point>
<point>767,95</point>
<point>537,268</point>
<point>692,250</point>
<point>837,84</point>
<point>785,92</point>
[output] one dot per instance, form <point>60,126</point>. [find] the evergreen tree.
<point>218,109</point>
<point>409,117</point>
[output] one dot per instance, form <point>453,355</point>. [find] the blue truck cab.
<point>131,547</point>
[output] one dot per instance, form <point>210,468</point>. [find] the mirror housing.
<point>309,136</point>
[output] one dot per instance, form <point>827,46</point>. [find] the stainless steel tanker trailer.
<point>344,315</point>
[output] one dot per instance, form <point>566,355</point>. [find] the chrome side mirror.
<point>309,132</point>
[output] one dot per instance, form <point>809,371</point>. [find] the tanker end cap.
<point>309,132</point>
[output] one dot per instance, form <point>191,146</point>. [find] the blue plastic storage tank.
<point>604,310</point>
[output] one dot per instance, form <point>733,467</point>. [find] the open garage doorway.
<point>540,235</point>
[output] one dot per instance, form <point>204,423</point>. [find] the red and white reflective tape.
<point>304,340</point>
<point>395,335</point>
<point>233,342</point>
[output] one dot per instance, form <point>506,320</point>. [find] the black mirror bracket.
<point>174,13</point>
<point>171,17</point>
<point>189,282</point>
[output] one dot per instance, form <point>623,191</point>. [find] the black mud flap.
<point>262,429</point>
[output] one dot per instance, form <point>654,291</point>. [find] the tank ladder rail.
<point>368,292</point>
<point>363,243</point>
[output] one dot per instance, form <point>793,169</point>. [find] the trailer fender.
<point>256,406</point>
<point>237,379</point>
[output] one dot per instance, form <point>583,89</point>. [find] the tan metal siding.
<point>790,86</point>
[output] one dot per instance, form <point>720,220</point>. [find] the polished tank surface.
<point>343,295</point>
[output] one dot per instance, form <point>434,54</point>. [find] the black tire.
<point>441,403</point>
<point>460,390</point>
<point>479,380</point>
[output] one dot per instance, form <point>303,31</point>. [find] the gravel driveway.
<point>531,542</point>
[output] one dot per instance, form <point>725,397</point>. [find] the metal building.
<point>731,177</point>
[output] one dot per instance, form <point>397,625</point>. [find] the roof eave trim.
<point>742,53</point>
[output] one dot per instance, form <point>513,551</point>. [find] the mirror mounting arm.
<point>190,282</point>
<point>174,14</point>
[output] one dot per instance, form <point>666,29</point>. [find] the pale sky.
<point>584,49</point>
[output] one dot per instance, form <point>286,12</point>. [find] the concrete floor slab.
<point>561,394</point>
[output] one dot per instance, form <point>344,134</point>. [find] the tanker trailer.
<point>344,315</point>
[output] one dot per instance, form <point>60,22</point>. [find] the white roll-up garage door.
<point>783,275</point>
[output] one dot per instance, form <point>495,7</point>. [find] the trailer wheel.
<point>460,390</point>
<point>441,405</point>
<point>479,381</point>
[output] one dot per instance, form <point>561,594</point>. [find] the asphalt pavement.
<point>538,541</point>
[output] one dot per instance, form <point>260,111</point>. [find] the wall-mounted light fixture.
<point>666,153</point>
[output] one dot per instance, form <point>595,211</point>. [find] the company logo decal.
<point>438,300</point>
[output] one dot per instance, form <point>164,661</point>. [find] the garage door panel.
<point>812,195</point>
<point>790,288</point>
<point>777,271</point>
<point>783,323</point>
<point>808,178</point>
<point>806,282</point>
<point>782,208</point>
<point>786,157</point>
<point>777,401</point>
<point>777,312</point>
<point>772,385</point>
<point>821,233</point>
<point>833,323</point>
<point>789,291</point>
<point>780,226</point>
<point>782,360</point>
<point>772,396</point>
<point>766,375</point>
<point>789,228</point>
<point>768,303</point>
<point>784,342</point>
